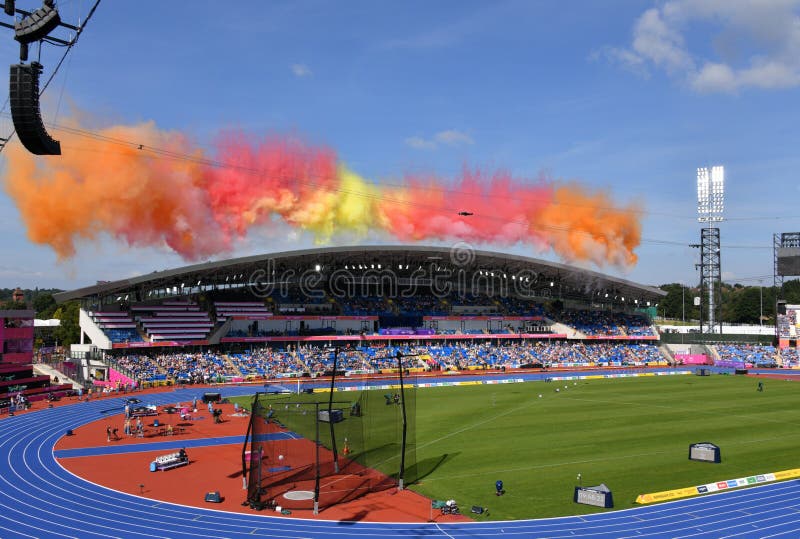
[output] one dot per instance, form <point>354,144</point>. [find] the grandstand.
<point>173,321</point>
<point>117,325</point>
<point>493,310</point>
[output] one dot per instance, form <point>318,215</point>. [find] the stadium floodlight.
<point>710,193</point>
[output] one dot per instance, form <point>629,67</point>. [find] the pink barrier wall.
<point>692,359</point>
<point>114,378</point>
<point>114,375</point>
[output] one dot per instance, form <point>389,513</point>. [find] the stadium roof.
<point>445,264</point>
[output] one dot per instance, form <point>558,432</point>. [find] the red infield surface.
<point>219,468</point>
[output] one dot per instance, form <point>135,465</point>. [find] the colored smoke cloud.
<point>149,187</point>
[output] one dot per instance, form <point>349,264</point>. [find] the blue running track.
<point>38,498</point>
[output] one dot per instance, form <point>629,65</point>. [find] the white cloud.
<point>454,138</point>
<point>736,44</point>
<point>450,137</point>
<point>713,77</point>
<point>655,39</point>
<point>301,70</point>
<point>420,143</point>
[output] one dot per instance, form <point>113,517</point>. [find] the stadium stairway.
<point>666,353</point>
<point>47,370</point>
<point>300,363</point>
<point>712,351</point>
<point>217,334</point>
<point>232,367</point>
<point>572,333</point>
<point>142,333</point>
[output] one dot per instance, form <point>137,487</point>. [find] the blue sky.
<point>626,96</point>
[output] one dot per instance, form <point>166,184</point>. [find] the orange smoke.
<point>583,226</point>
<point>148,187</point>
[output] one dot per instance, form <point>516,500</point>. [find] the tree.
<point>69,332</point>
<point>791,291</point>
<point>679,298</point>
<point>45,305</point>
<point>742,305</point>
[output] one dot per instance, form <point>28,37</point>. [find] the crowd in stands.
<point>519,307</point>
<point>123,335</point>
<point>790,358</point>
<point>313,360</point>
<point>748,354</point>
<point>428,305</point>
<point>366,306</point>
<point>787,324</point>
<point>318,360</point>
<point>195,368</point>
<point>599,323</point>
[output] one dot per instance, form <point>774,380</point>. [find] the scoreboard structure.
<point>786,263</point>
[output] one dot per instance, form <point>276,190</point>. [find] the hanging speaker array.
<point>25,113</point>
<point>23,90</point>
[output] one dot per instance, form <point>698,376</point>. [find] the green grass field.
<point>632,434</point>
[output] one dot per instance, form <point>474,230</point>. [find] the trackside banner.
<point>717,486</point>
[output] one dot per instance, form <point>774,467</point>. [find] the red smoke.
<point>159,189</point>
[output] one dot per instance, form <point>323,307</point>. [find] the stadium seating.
<point>317,360</point>
<point>173,321</point>
<point>117,325</point>
<point>599,323</point>
<point>227,309</point>
<point>747,355</point>
<point>790,358</point>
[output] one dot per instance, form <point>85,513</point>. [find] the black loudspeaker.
<point>9,7</point>
<point>211,397</point>
<point>213,497</point>
<point>38,24</point>
<point>781,306</point>
<point>24,98</point>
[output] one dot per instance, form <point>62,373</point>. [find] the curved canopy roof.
<point>431,266</point>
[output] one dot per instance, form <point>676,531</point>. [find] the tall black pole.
<point>316,478</point>
<point>247,466</point>
<point>330,411</point>
<point>403,411</point>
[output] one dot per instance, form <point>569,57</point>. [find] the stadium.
<point>430,384</point>
<point>381,384</point>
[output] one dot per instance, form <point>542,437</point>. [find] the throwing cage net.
<point>315,450</point>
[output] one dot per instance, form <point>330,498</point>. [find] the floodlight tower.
<point>710,204</point>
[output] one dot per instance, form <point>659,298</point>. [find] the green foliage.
<point>679,300</point>
<point>45,305</point>
<point>69,332</point>
<point>30,295</point>
<point>791,292</point>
